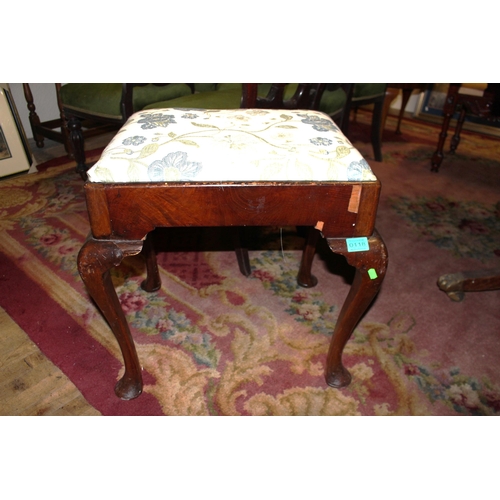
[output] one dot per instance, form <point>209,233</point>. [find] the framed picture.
<point>15,155</point>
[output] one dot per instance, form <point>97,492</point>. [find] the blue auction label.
<point>357,244</point>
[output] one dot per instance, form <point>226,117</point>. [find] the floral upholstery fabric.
<point>167,145</point>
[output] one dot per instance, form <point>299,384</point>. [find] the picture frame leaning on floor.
<point>15,154</point>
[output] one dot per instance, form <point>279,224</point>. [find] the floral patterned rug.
<point>213,342</point>
<point>466,228</point>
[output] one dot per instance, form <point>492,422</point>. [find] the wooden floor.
<point>30,384</point>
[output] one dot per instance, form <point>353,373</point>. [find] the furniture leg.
<point>448,110</point>
<point>390,96</point>
<point>77,145</point>
<point>371,266</point>
<point>64,125</point>
<point>305,278</point>
<point>455,285</point>
<point>241,251</point>
<point>437,157</point>
<point>377,130</point>
<point>33,116</point>
<point>455,140</point>
<point>405,98</point>
<point>152,283</point>
<point>94,262</point>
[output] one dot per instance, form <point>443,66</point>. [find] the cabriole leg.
<point>371,266</point>
<point>94,262</point>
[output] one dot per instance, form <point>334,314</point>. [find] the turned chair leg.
<point>437,157</point>
<point>371,266</point>
<point>448,110</point>
<point>33,116</point>
<point>455,140</point>
<point>376,131</point>
<point>95,260</point>
<point>77,145</point>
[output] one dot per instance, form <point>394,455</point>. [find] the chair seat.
<point>364,91</point>
<point>202,145</point>
<point>103,100</point>
<point>214,99</point>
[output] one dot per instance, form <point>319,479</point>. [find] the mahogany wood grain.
<point>184,204</point>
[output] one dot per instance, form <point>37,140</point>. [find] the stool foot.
<point>128,388</point>
<point>338,378</point>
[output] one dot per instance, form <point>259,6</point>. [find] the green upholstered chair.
<point>108,103</point>
<point>229,95</point>
<point>362,94</point>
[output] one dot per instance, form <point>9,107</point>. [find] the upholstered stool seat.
<point>230,145</point>
<point>178,167</point>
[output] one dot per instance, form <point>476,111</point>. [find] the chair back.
<point>306,96</point>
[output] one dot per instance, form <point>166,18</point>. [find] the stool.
<point>240,167</point>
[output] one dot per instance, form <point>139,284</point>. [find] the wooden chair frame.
<point>75,120</point>
<point>377,118</point>
<point>479,106</point>
<point>57,129</point>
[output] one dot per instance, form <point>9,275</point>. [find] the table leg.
<point>371,266</point>
<point>94,262</point>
